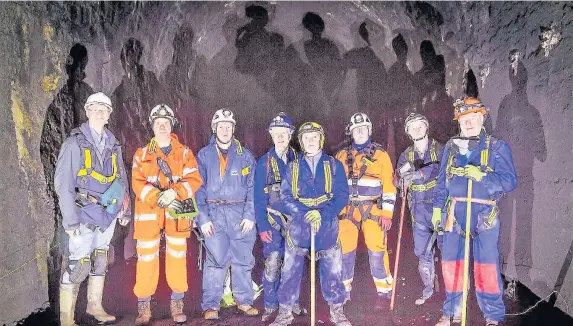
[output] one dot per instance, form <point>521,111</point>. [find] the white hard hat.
<point>98,98</point>
<point>358,120</point>
<point>162,111</point>
<point>222,115</point>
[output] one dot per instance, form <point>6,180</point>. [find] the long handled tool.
<point>397,259</point>
<point>467,253</point>
<point>312,280</point>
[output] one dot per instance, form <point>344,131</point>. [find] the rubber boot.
<point>95,293</point>
<point>177,311</point>
<point>143,313</point>
<point>337,315</point>
<point>68,297</point>
<point>284,317</point>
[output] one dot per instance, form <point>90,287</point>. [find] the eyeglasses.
<point>100,111</point>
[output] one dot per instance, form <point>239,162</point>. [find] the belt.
<point>450,220</point>
<point>225,202</point>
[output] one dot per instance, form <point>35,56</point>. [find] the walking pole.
<point>467,253</point>
<point>397,259</point>
<point>312,279</point>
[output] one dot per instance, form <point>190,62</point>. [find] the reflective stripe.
<point>176,241</point>
<point>389,196</point>
<point>145,191</point>
<point>143,152</point>
<point>425,186</point>
<point>187,171</point>
<point>388,207</point>
<point>176,253</point>
<point>176,178</point>
<point>367,182</point>
<point>188,188</point>
<point>147,244</point>
<point>152,179</point>
<point>148,258</point>
<point>185,154</point>
<point>168,216</point>
<point>145,217</point>
<point>387,280</point>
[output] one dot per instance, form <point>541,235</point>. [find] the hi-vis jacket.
<point>148,181</point>
<point>493,156</point>
<point>376,180</point>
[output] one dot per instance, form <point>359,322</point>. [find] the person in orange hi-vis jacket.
<point>164,177</point>
<point>371,205</point>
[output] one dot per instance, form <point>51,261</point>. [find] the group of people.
<point>291,199</point>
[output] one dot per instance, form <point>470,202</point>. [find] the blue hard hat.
<point>282,120</point>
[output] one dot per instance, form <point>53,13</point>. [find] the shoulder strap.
<point>294,183</point>
<point>349,161</point>
<point>484,155</point>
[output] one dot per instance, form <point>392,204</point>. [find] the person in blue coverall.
<point>313,191</point>
<point>418,168</point>
<point>487,161</point>
<point>226,216</point>
<point>270,171</point>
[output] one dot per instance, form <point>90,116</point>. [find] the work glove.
<point>437,218</point>
<point>266,236</point>
<point>175,206</point>
<point>473,172</point>
<point>208,229</point>
<point>166,197</point>
<point>411,176</point>
<point>314,219</point>
<point>247,225</point>
<point>385,223</point>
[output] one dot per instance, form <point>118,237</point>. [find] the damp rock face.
<point>384,59</point>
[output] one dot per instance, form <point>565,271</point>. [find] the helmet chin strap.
<point>418,139</point>
<point>222,142</point>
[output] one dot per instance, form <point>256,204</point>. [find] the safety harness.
<point>451,171</point>
<point>363,206</point>
<point>87,171</point>
<point>410,157</point>
<point>273,189</point>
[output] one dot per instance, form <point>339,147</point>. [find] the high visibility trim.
<point>147,244</point>
<point>176,241</point>
<point>187,171</point>
<point>185,153</point>
<point>145,217</point>
<point>148,258</point>
<point>366,182</point>
<point>188,188</point>
<point>328,177</point>
<point>152,179</point>
<point>424,187</point>
<point>295,171</point>
<point>143,153</point>
<point>145,191</point>
<point>176,253</point>
<point>384,281</point>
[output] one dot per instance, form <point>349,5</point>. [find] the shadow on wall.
<point>519,123</point>
<point>64,113</point>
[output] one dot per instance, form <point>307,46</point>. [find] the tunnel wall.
<point>518,52</point>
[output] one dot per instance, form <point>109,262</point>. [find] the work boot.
<point>177,311</point>
<point>211,314</point>
<point>447,321</point>
<point>248,310</point>
<point>337,315</point>
<point>267,314</point>
<point>489,322</point>
<point>68,297</point>
<point>95,293</point>
<point>284,317</point>
<point>144,313</point>
<point>297,310</point>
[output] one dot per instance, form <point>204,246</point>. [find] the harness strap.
<point>453,200</point>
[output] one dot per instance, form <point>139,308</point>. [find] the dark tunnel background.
<point>315,61</point>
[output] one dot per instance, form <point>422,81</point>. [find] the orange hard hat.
<point>468,105</point>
